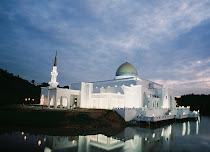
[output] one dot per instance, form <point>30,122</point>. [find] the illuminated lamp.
<point>39,142</point>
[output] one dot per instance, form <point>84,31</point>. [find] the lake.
<point>177,136</point>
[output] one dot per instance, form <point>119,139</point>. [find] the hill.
<point>15,90</point>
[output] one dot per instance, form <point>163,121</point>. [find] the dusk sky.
<point>167,41</point>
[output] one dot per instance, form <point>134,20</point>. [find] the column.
<point>68,102</point>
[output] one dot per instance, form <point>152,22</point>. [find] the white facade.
<point>131,96</point>
<point>132,92</point>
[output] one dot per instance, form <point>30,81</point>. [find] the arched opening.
<point>59,103</point>
<point>63,102</point>
<point>52,101</point>
<point>42,100</point>
<point>75,101</point>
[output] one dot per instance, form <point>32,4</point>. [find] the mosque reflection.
<point>130,139</point>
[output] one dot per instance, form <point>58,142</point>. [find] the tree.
<point>33,81</point>
<point>44,84</point>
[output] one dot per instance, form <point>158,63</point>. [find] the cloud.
<point>197,82</point>
<point>165,41</point>
<point>152,21</point>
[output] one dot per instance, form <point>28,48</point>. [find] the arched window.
<point>153,104</point>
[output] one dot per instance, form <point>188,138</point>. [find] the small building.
<point>133,97</point>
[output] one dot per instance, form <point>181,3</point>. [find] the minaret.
<point>54,74</point>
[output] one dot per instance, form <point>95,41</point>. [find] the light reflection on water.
<point>181,136</point>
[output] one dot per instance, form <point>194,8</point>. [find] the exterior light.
<point>29,99</point>
<point>32,99</point>
<point>25,138</point>
<point>153,115</point>
<point>198,110</point>
<point>25,99</point>
<point>39,142</point>
<point>73,141</point>
<point>153,136</point>
<point>22,133</point>
<point>145,139</point>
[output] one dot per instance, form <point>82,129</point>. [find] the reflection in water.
<point>197,127</point>
<point>188,128</point>
<point>39,142</point>
<point>25,138</point>
<point>184,129</point>
<point>130,139</point>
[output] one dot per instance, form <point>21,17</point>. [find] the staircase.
<point>167,113</point>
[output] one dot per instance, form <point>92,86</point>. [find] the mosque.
<point>132,97</point>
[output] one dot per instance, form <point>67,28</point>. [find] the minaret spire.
<point>53,83</point>
<point>55,62</point>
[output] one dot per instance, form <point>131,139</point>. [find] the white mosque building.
<point>132,97</point>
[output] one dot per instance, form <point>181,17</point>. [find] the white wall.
<point>86,91</point>
<point>133,96</point>
<point>107,100</point>
<point>167,96</point>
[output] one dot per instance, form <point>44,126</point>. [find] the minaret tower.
<point>53,83</point>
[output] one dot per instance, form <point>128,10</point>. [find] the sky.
<point>167,41</point>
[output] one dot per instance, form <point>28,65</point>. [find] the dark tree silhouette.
<point>43,84</point>
<point>33,81</point>
<point>15,90</point>
<point>196,102</point>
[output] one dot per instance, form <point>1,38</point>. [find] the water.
<point>179,136</point>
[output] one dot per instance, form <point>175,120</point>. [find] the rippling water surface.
<point>179,136</point>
